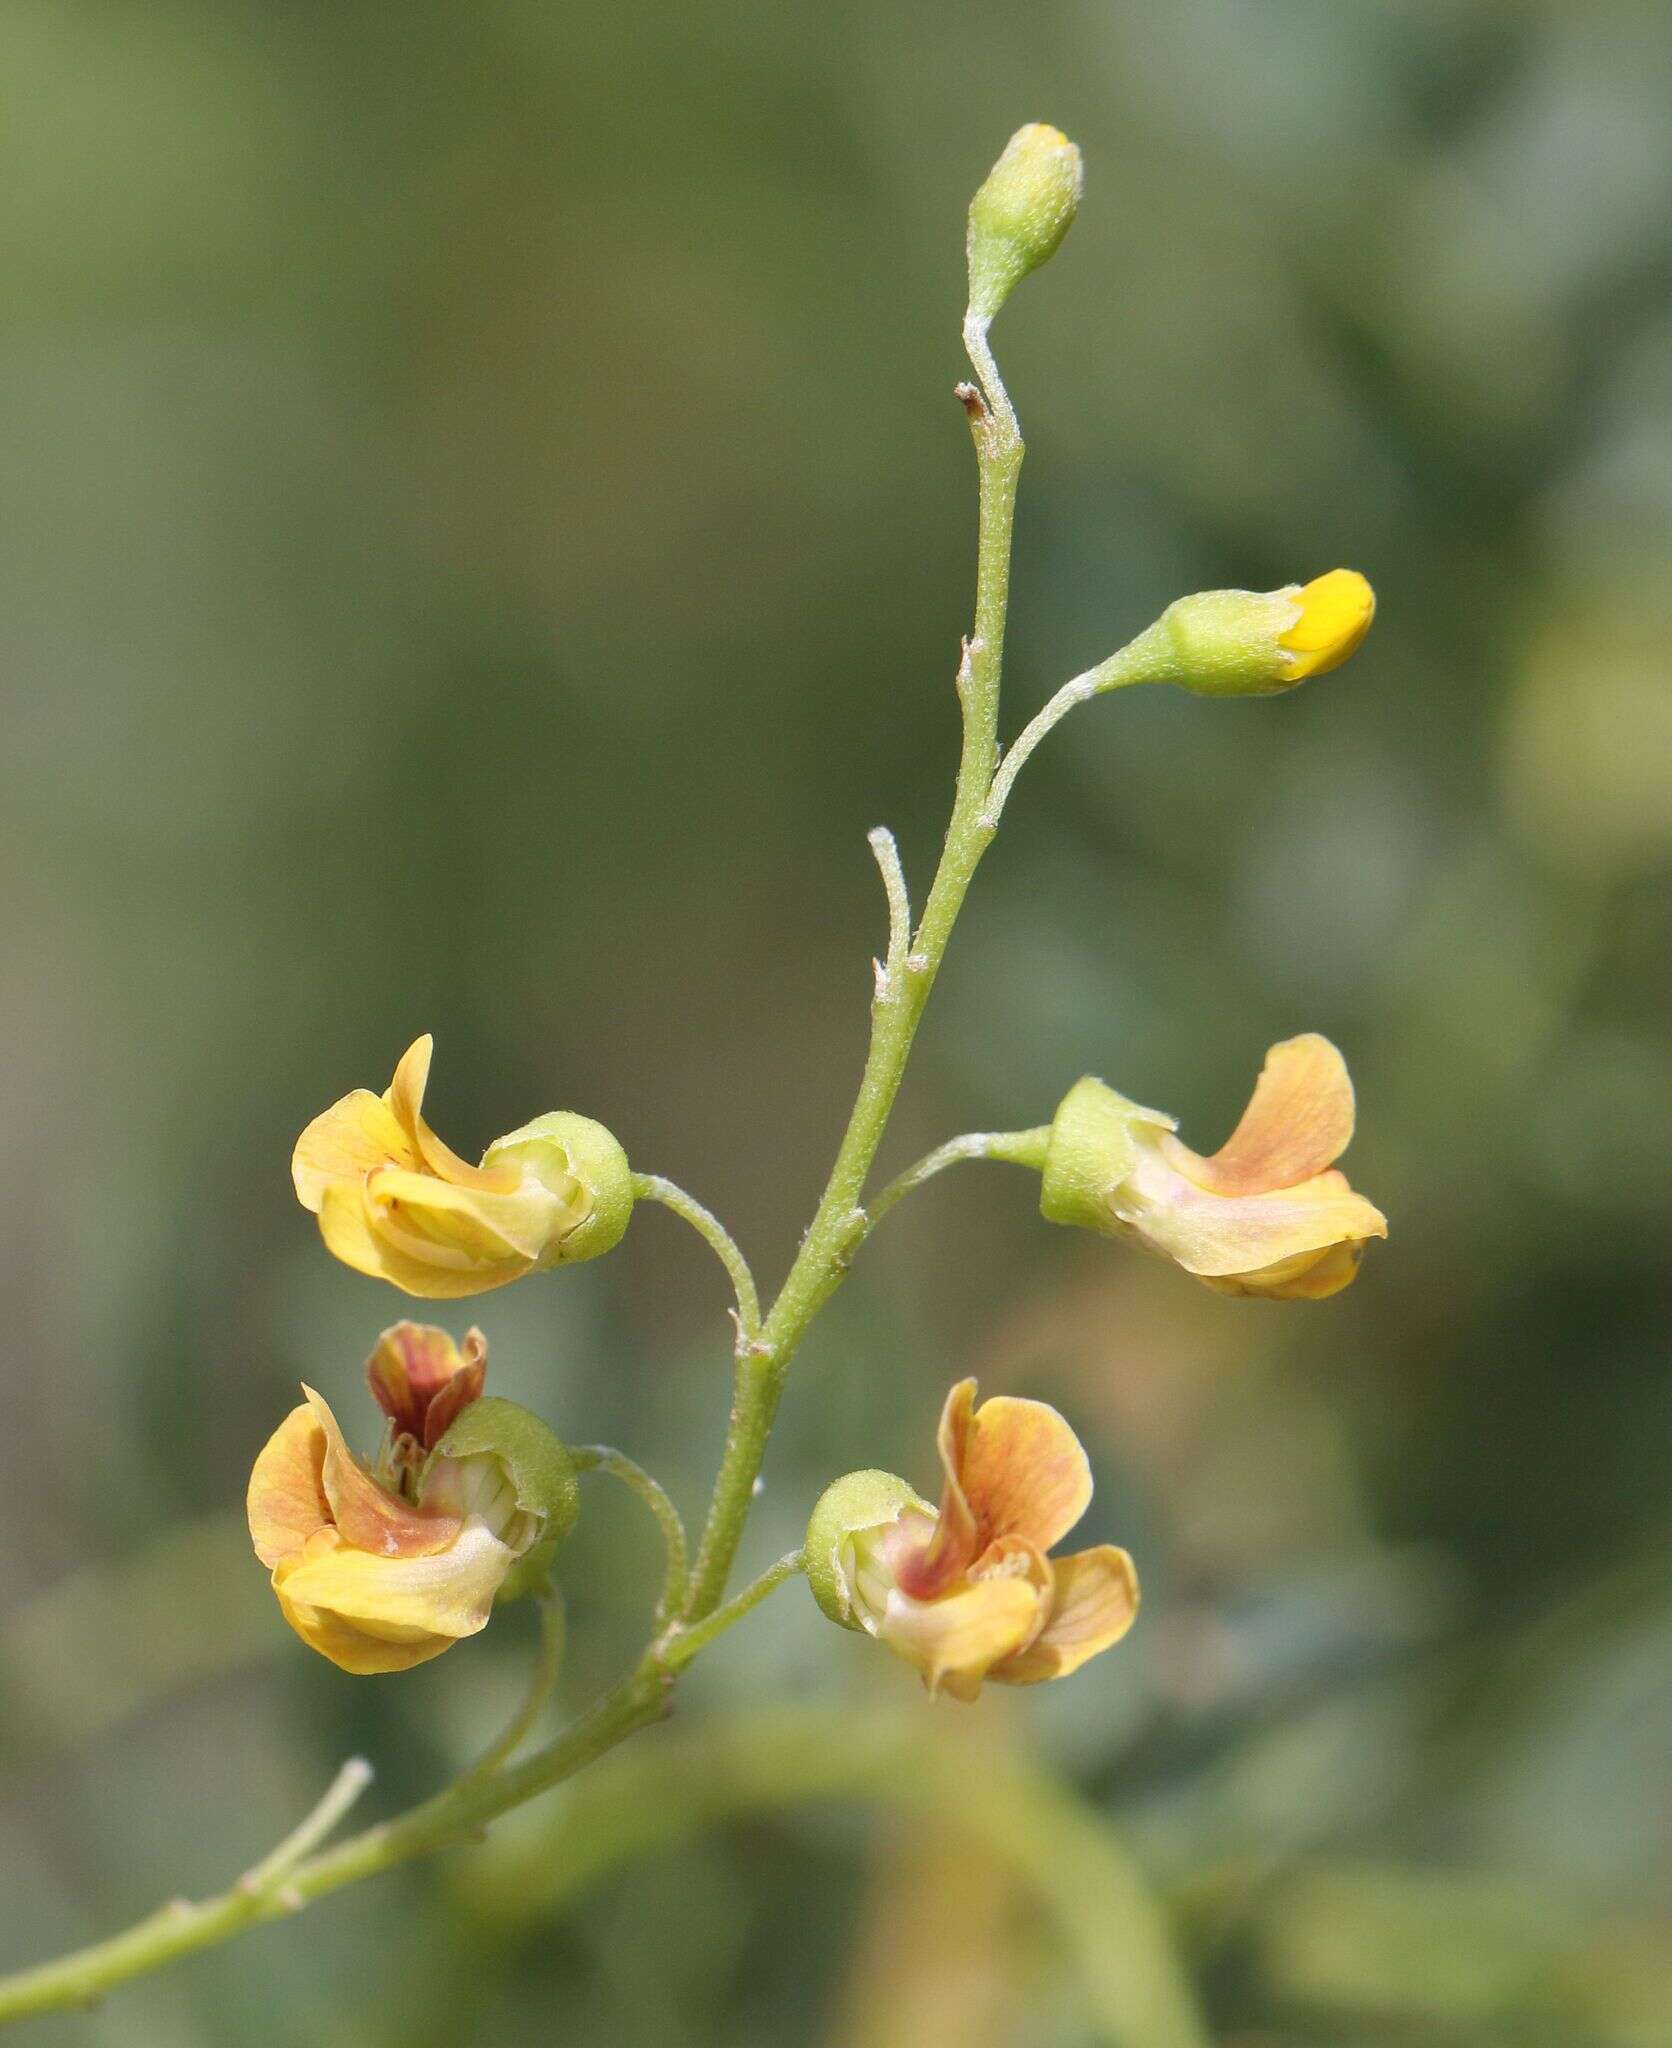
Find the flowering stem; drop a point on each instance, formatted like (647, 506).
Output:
(1018, 1148)
(764, 1351)
(678, 1650)
(651, 1187)
(547, 1663)
(601, 1458)
(840, 1223)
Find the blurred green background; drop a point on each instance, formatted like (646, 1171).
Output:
(486, 530)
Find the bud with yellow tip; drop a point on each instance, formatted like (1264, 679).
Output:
(1021, 213)
(1251, 643)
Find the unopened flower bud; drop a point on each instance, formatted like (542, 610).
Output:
(1252, 643)
(1021, 213)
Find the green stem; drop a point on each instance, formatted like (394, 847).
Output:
(182, 1926)
(340, 1795)
(1134, 663)
(1017, 1148)
(601, 1458)
(679, 1649)
(542, 1681)
(292, 1876)
(651, 1187)
(840, 1223)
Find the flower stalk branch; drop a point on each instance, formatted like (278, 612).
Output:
(840, 1221)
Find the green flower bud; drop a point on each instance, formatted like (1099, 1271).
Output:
(1021, 213)
(851, 1508)
(502, 1463)
(1252, 643)
(1092, 1149)
(579, 1161)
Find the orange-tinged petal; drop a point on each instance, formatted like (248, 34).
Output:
(405, 1097)
(1298, 1122)
(1025, 1473)
(1335, 614)
(1215, 1236)
(421, 1379)
(286, 1500)
(1095, 1602)
(449, 1593)
(409, 1367)
(464, 1387)
(345, 1143)
(955, 1641)
(957, 1541)
(368, 1516)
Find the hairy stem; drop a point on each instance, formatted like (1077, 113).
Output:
(840, 1222)
(601, 1458)
(542, 1680)
(651, 1187)
(678, 1650)
(1016, 1148)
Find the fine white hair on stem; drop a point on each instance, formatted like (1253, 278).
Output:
(899, 901)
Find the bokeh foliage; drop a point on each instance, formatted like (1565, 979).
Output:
(486, 530)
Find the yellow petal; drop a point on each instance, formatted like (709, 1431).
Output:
(1298, 1122)
(345, 1143)
(1215, 1236)
(1025, 1473)
(286, 1501)
(1335, 614)
(1312, 1276)
(351, 1648)
(403, 1599)
(405, 1098)
(368, 1516)
(357, 1232)
(1095, 1602)
(434, 1219)
(955, 1641)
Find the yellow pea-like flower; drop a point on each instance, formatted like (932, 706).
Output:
(396, 1202)
(969, 1593)
(1267, 1214)
(379, 1571)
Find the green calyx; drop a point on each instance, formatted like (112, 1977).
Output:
(581, 1161)
(1223, 643)
(1093, 1147)
(1021, 213)
(848, 1508)
(536, 1466)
